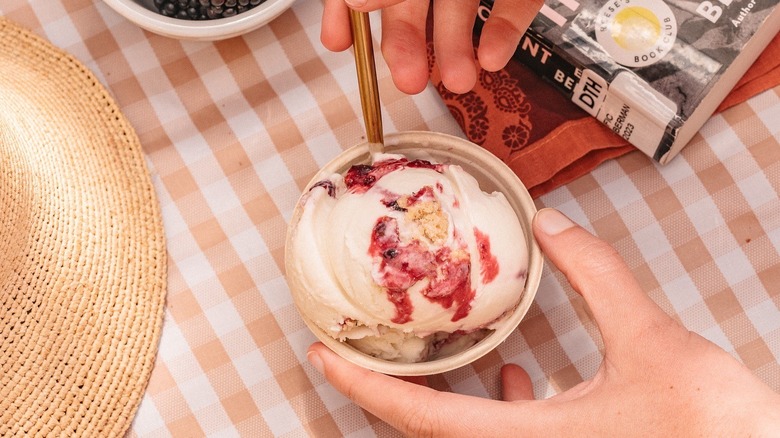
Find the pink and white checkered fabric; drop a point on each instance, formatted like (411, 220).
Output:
(233, 131)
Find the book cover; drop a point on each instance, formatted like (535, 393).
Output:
(653, 71)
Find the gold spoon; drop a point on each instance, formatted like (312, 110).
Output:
(366, 73)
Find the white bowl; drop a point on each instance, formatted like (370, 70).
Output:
(492, 175)
(144, 14)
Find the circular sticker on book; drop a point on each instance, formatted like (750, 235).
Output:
(636, 33)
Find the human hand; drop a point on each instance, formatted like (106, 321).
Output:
(404, 42)
(657, 378)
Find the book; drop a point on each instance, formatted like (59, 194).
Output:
(653, 71)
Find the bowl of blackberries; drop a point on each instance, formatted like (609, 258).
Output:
(200, 20)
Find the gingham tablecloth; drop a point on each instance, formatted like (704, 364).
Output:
(233, 130)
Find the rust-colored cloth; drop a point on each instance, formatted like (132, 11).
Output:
(542, 136)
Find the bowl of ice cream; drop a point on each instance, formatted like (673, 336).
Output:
(200, 20)
(415, 261)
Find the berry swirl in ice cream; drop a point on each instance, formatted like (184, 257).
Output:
(406, 260)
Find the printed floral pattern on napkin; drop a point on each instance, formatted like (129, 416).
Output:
(543, 137)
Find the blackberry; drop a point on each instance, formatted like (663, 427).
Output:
(204, 9)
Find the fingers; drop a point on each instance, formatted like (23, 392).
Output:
(413, 409)
(453, 21)
(515, 384)
(501, 34)
(595, 270)
(404, 44)
(336, 31)
(404, 37)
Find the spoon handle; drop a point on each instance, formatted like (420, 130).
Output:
(366, 73)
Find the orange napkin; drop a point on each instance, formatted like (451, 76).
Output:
(547, 140)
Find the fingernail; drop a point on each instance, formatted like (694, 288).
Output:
(552, 221)
(355, 3)
(316, 361)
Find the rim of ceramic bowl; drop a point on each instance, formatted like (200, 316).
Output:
(468, 154)
(200, 30)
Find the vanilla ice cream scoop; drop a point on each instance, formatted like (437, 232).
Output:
(406, 259)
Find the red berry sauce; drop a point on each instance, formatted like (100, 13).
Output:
(452, 284)
(327, 185)
(362, 177)
(402, 264)
(487, 259)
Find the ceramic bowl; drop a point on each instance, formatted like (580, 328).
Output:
(492, 175)
(144, 14)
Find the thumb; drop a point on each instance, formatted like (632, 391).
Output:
(596, 271)
(413, 409)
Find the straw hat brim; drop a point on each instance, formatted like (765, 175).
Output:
(82, 249)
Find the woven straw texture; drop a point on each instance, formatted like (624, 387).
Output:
(83, 261)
